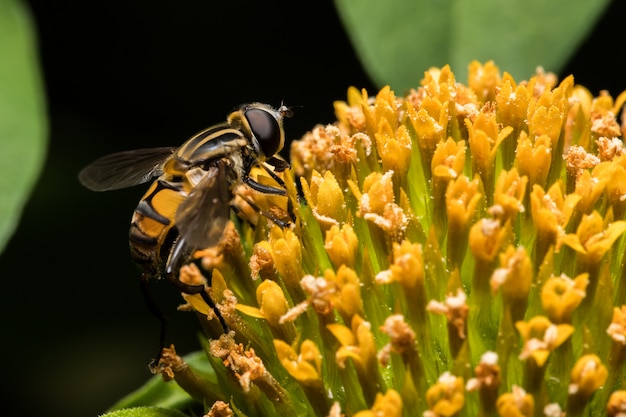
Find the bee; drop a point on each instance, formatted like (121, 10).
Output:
(188, 205)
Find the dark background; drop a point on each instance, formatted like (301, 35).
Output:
(123, 75)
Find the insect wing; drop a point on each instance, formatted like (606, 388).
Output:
(202, 217)
(124, 169)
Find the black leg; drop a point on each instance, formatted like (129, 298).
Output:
(156, 312)
(279, 222)
(270, 190)
(280, 182)
(179, 253)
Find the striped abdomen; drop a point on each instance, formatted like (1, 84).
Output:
(152, 230)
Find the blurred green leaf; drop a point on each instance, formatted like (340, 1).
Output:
(397, 40)
(145, 412)
(158, 393)
(23, 125)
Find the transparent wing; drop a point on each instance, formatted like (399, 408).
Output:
(124, 169)
(202, 217)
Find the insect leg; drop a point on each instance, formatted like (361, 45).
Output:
(267, 189)
(175, 261)
(280, 168)
(264, 188)
(278, 164)
(156, 312)
(281, 223)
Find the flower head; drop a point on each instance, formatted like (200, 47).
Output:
(516, 403)
(561, 295)
(593, 238)
(306, 366)
(446, 397)
(325, 198)
(541, 337)
(588, 375)
(462, 232)
(377, 204)
(617, 328)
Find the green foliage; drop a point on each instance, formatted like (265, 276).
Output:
(145, 412)
(397, 40)
(23, 123)
(158, 393)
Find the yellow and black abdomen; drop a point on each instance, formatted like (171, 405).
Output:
(152, 230)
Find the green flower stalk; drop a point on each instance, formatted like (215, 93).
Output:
(458, 251)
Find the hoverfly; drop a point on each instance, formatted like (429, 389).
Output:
(188, 206)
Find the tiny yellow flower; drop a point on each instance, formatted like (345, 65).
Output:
(516, 403)
(546, 114)
(439, 83)
(407, 268)
(447, 165)
(486, 238)
(616, 188)
(341, 244)
(551, 212)
(593, 238)
(578, 161)
(321, 293)
(325, 198)
(313, 151)
(553, 410)
(327, 148)
(454, 308)
(617, 328)
(191, 275)
(262, 261)
(515, 274)
(350, 114)
(609, 148)
(603, 121)
(587, 376)
(429, 121)
(441, 95)
(509, 195)
(616, 406)
(487, 374)
(541, 337)
(448, 160)
(357, 344)
(512, 101)
(272, 302)
(394, 148)
(220, 409)
(385, 109)
(401, 335)
(339, 291)
(348, 296)
(305, 366)
(462, 198)
(591, 185)
(388, 405)
(534, 158)
(244, 364)
(379, 191)
(483, 80)
(376, 204)
(446, 397)
(484, 140)
(582, 98)
(560, 295)
(287, 254)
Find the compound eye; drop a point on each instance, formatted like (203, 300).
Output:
(266, 129)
